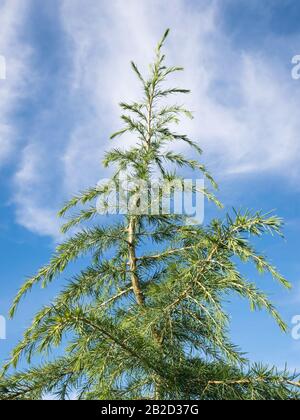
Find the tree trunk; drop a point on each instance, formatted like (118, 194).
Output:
(133, 263)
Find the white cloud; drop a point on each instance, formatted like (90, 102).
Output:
(19, 76)
(16, 56)
(245, 107)
(33, 211)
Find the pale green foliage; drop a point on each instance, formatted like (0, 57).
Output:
(176, 344)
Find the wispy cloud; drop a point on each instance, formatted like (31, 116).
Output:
(245, 103)
(16, 55)
(245, 106)
(33, 211)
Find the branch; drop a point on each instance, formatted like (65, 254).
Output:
(112, 299)
(250, 381)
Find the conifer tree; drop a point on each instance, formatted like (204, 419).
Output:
(146, 318)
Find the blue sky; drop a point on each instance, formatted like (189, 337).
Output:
(67, 69)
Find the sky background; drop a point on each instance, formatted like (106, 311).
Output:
(67, 70)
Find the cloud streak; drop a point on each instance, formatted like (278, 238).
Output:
(244, 102)
(16, 57)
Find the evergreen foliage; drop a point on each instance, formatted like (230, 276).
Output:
(149, 325)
